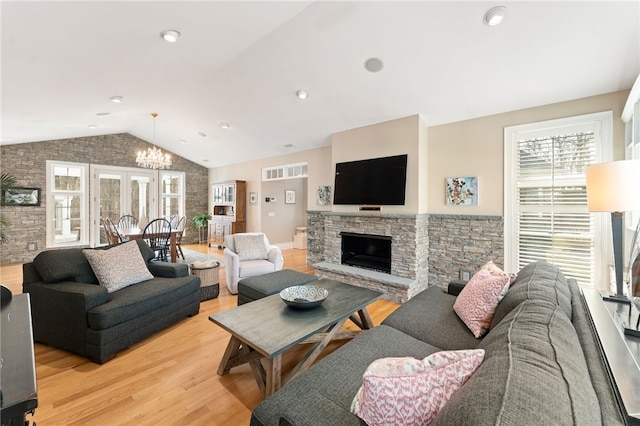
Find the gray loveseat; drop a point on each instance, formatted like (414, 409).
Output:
(541, 366)
(71, 311)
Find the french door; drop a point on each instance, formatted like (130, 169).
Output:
(119, 191)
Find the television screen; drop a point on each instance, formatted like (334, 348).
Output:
(376, 181)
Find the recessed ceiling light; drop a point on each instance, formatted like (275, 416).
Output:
(289, 145)
(202, 134)
(116, 99)
(225, 125)
(373, 65)
(206, 160)
(170, 35)
(495, 16)
(103, 113)
(301, 94)
(182, 141)
(93, 126)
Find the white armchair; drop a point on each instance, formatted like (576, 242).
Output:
(249, 254)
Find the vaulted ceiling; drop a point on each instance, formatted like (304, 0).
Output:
(241, 63)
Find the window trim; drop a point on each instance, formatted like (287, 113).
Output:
(285, 171)
(604, 152)
(181, 195)
(50, 204)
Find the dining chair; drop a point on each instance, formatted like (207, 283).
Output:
(180, 227)
(173, 220)
(157, 235)
(127, 221)
(110, 231)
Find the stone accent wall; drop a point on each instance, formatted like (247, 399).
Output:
(463, 242)
(428, 248)
(27, 162)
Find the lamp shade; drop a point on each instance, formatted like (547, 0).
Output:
(613, 186)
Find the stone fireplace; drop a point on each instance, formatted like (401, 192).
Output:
(408, 234)
(426, 249)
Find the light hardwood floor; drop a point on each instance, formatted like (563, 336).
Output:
(167, 379)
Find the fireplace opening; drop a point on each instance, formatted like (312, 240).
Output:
(366, 251)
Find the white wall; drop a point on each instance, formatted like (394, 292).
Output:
(279, 218)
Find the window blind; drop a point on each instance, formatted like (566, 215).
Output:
(553, 223)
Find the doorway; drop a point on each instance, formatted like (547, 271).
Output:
(119, 191)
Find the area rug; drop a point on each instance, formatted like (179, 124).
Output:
(191, 256)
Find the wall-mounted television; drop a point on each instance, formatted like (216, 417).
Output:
(376, 181)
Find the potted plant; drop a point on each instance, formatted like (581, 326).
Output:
(201, 221)
(7, 183)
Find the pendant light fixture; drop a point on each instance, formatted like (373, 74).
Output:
(153, 158)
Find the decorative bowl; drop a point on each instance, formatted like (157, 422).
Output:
(304, 296)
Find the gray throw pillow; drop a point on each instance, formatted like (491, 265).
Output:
(119, 266)
(250, 246)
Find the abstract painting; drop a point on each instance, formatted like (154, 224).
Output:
(462, 191)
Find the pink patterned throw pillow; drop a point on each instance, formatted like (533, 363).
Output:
(477, 302)
(409, 391)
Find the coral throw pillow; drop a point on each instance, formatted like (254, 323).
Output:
(118, 266)
(477, 302)
(409, 391)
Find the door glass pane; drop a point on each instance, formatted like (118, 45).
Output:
(229, 195)
(140, 196)
(109, 201)
(110, 197)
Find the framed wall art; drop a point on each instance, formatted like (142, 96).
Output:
(323, 196)
(289, 196)
(462, 191)
(21, 197)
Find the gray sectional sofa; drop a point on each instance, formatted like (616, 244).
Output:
(71, 311)
(542, 365)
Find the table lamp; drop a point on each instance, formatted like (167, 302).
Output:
(614, 187)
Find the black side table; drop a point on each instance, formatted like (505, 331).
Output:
(18, 390)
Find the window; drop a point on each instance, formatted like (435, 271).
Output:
(67, 204)
(172, 193)
(288, 171)
(546, 216)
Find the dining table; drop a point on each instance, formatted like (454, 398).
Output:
(136, 233)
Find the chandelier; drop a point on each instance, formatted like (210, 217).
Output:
(153, 158)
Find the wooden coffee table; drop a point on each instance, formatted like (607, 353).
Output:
(264, 329)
